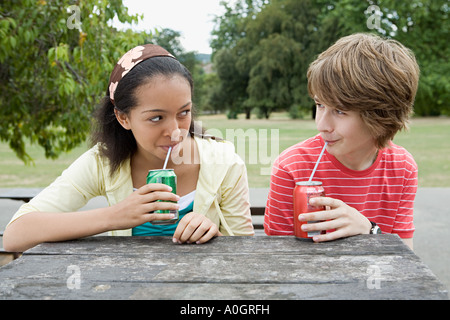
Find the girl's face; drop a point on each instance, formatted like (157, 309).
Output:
(348, 138)
(162, 116)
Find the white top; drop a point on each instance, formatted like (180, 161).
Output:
(185, 200)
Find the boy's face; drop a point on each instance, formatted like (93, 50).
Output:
(348, 137)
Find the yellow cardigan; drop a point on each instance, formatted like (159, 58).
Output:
(221, 195)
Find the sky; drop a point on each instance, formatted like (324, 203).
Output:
(192, 18)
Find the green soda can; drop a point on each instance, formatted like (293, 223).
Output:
(168, 177)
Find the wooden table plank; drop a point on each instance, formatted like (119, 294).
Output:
(362, 267)
(360, 245)
(345, 277)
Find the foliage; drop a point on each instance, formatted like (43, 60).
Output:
(227, 52)
(422, 26)
(267, 47)
(55, 61)
(169, 39)
(56, 57)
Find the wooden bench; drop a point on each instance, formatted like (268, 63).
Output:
(20, 194)
(258, 199)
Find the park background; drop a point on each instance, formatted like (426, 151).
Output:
(56, 58)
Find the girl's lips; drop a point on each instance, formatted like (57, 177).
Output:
(174, 146)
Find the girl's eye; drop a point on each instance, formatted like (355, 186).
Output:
(319, 105)
(184, 113)
(340, 112)
(155, 119)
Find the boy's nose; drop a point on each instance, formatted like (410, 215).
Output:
(323, 122)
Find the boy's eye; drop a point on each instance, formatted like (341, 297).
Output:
(337, 111)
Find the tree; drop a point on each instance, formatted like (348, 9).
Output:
(282, 42)
(229, 55)
(231, 26)
(422, 26)
(272, 43)
(170, 40)
(231, 88)
(269, 47)
(55, 61)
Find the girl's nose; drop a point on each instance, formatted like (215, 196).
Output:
(171, 128)
(175, 136)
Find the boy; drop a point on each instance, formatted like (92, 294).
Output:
(364, 88)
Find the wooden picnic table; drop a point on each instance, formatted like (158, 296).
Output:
(260, 267)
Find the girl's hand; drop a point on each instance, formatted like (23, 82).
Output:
(346, 221)
(137, 208)
(195, 227)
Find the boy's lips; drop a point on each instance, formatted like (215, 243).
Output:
(330, 142)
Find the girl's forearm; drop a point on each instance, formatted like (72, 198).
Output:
(33, 228)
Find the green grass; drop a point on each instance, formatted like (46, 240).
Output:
(427, 140)
(14, 173)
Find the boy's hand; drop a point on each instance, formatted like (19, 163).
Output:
(345, 220)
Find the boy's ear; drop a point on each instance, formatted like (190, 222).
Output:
(123, 119)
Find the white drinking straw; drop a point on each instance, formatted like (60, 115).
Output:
(317, 163)
(167, 158)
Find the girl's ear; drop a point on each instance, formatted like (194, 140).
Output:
(123, 119)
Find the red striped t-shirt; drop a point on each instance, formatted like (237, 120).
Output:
(384, 193)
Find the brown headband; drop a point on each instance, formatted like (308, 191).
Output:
(131, 59)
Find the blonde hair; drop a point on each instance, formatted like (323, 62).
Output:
(376, 77)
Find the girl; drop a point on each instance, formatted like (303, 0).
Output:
(147, 110)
